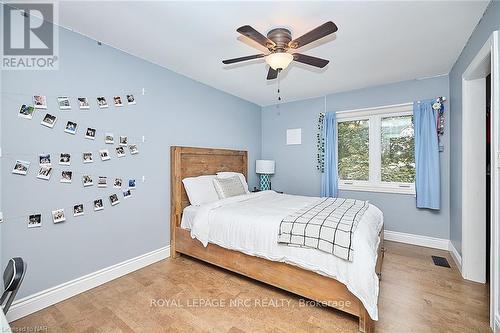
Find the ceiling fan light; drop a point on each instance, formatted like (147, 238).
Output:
(279, 60)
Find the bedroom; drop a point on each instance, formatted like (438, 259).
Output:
(104, 139)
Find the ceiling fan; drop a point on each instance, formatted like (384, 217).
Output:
(279, 42)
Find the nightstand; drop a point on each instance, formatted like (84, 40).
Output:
(257, 190)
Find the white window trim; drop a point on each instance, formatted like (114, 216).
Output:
(373, 115)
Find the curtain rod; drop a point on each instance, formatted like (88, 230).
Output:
(383, 106)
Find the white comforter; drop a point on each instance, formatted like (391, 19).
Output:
(249, 223)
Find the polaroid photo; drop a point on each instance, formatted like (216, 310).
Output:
(44, 172)
(120, 151)
(130, 99)
(90, 133)
(98, 205)
(101, 102)
(131, 184)
(123, 141)
(87, 157)
(35, 221)
(63, 103)
(109, 138)
(133, 149)
(113, 199)
(65, 159)
(40, 102)
(87, 180)
(118, 101)
(66, 176)
(78, 210)
(21, 167)
(58, 216)
(70, 127)
(127, 194)
(104, 153)
(102, 182)
(49, 120)
(118, 183)
(26, 111)
(83, 102)
(44, 159)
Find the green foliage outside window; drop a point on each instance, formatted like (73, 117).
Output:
(398, 150)
(353, 150)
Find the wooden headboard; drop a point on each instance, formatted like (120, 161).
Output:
(192, 162)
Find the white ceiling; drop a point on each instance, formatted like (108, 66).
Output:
(377, 42)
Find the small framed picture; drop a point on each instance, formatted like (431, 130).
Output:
(109, 138)
(35, 221)
(87, 157)
(70, 127)
(58, 216)
(44, 159)
(49, 120)
(120, 151)
(63, 103)
(66, 176)
(101, 102)
(21, 167)
(113, 199)
(87, 180)
(133, 149)
(98, 205)
(40, 102)
(90, 133)
(78, 210)
(130, 99)
(118, 101)
(127, 194)
(123, 141)
(83, 103)
(104, 153)
(131, 184)
(26, 111)
(118, 183)
(65, 159)
(102, 182)
(44, 172)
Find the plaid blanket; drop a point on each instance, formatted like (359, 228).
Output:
(327, 225)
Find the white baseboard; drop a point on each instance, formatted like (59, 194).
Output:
(456, 257)
(497, 324)
(401, 237)
(45, 298)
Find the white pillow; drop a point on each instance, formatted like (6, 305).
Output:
(228, 187)
(231, 174)
(200, 190)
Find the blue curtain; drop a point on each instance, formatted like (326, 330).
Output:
(329, 178)
(427, 182)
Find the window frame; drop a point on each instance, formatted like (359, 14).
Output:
(374, 117)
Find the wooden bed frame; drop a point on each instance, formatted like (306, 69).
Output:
(190, 162)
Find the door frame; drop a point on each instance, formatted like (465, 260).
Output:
(473, 169)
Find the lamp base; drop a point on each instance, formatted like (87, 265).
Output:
(265, 182)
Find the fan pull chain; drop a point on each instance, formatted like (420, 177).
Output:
(279, 95)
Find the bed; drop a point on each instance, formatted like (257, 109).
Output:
(297, 270)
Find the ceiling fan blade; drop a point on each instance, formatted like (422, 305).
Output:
(272, 74)
(234, 60)
(253, 34)
(315, 34)
(313, 61)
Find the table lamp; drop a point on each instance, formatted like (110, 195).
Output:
(264, 168)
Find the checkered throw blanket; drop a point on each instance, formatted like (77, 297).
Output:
(327, 225)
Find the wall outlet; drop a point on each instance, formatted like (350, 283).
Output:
(143, 179)
(143, 139)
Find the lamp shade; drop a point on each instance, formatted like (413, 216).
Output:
(279, 60)
(264, 167)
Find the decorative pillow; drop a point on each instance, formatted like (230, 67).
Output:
(228, 187)
(200, 190)
(231, 174)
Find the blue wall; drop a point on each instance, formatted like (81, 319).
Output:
(174, 111)
(489, 23)
(296, 165)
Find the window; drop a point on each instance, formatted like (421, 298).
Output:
(376, 150)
